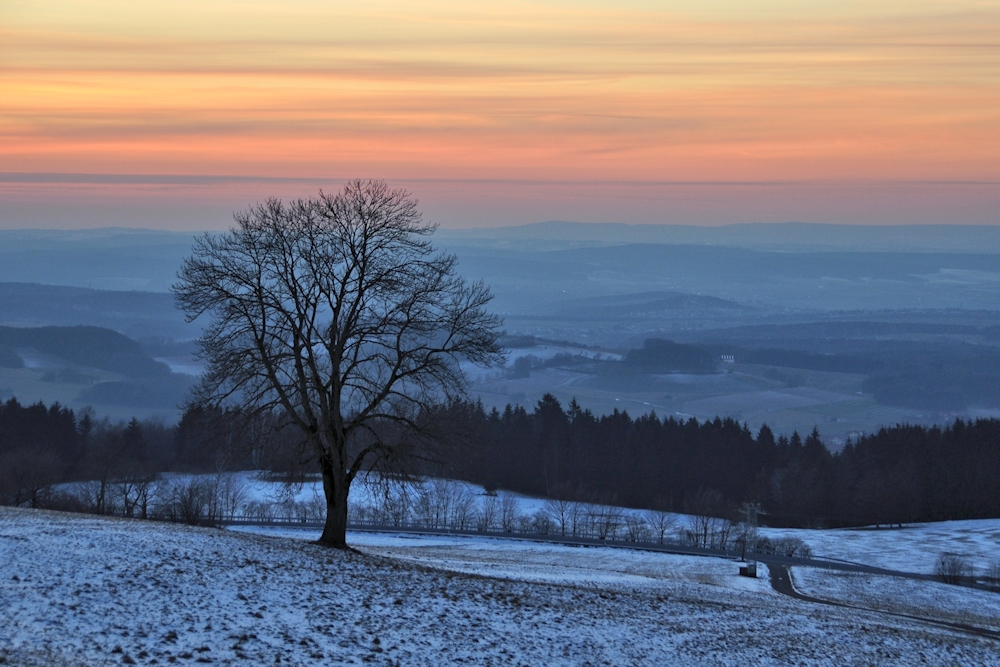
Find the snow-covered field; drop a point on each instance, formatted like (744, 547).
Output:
(86, 590)
(538, 562)
(913, 548)
(903, 596)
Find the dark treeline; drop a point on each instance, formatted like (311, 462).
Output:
(44, 446)
(900, 474)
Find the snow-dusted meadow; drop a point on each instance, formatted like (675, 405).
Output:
(930, 599)
(78, 589)
(440, 503)
(912, 548)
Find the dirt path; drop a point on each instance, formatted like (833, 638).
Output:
(781, 582)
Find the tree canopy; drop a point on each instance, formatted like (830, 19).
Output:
(339, 313)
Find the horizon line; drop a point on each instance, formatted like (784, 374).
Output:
(217, 179)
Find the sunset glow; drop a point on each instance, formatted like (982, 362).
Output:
(708, 112)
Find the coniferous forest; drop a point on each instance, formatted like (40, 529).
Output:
(903, 473)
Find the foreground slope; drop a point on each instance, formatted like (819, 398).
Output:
(87, 590)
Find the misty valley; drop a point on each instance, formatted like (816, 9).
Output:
(788, 330)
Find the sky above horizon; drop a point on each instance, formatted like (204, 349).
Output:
(172, 115)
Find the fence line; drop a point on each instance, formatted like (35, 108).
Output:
(666, 546)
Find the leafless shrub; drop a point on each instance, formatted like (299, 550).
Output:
(232, 492)
(992, 575)
(541, 523)
(393, 503)
(636, 529)
(578, 519)
(953, 568)
(435, 503)
(791, 547)
(605, 520)
(194, 501)
(709, 532)
(258, 511)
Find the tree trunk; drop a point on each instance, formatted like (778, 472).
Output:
(335, 489)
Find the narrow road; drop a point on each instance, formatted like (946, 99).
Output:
(781, 581)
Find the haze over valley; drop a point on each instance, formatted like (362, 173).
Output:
(847, 328)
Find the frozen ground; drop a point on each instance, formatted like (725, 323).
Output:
(913, 548)
(544, 563)
(903, 596)
(87, 590)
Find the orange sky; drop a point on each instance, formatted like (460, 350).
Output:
(171, 114)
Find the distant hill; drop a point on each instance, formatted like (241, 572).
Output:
(114, 259)
(136, 314)
(664, 356)
(786, 236)
(641, 304)
(71, 365)
(86, 346)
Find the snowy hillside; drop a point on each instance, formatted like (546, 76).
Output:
(86, 590)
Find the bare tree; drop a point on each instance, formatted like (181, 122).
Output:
(541, 522)
(436, 503)
(636, 529)
(510, 512)
(577, 519)
(339, 314)
(488, 512)
(393, 504)
(134, 488)
(605, 518)
(464, 508)
(660, 523)
(559, 511)
(232, 494)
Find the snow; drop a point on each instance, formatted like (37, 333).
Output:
(913, 548)
(77, 589)
(903, 596)
(256, 488)
(526, 560)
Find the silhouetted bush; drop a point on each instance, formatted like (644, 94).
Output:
(953, 569)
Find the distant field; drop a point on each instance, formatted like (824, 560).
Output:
(48, 381)
(786, 399)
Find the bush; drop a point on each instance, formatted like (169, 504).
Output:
(992, 575)
(792, 547)
(953, 569)
(195, 502)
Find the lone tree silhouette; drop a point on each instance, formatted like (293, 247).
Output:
(338, 314)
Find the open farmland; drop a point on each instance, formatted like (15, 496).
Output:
(87, 590)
